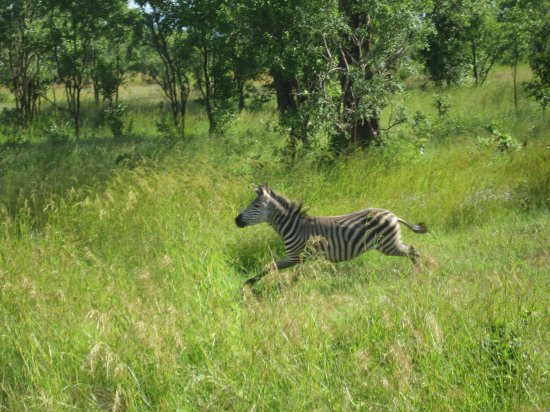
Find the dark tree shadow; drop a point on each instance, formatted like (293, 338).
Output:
(32, 175)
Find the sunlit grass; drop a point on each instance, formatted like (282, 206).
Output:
(472, 109)
(121, 273)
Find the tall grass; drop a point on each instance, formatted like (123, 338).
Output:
(121, 276)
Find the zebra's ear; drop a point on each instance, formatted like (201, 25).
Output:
(267, 190)
(263, 189)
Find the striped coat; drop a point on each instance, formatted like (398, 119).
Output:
(337, 237)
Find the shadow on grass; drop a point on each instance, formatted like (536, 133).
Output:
(251, 255)
(317, 274)
(34, 177)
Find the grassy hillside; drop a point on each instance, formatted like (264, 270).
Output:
(121, 270)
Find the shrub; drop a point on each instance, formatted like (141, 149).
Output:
(114, 117)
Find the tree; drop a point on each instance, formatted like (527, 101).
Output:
(526, 33)
(539, 59)
(483, 34)
(287, 38)
(373, 45)
(243, 57)
(170, 68)
(116, 53)
(76, 30)
(446, 54)
(209, 27)
(22, 61)
(335, 63)
(514, 21)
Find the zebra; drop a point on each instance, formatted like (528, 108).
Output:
(338, 238)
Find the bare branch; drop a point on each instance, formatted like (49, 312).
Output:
(63, 109)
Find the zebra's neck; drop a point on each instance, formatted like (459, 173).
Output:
(286, 217)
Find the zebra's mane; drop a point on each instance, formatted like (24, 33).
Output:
(286, 205)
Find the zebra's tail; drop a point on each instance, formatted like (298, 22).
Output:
(419, 228)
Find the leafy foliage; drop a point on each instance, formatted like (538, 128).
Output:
(441, 103)
(447, 55)
(24, 67)
(333, 66)
(539, 88)
(169, 62)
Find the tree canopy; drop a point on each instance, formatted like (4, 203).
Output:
(332, 65)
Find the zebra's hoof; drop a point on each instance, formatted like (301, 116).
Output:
(250, 282)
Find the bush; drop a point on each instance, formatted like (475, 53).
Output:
(505, 141)
(441, 103)
(58, 133)
(113, 116)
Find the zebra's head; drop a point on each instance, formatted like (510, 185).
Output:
(257, 211)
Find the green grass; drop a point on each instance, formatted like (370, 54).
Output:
(121, 273)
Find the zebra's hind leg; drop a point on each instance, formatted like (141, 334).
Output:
(254, 279)
(400, 250)
(413, 254)
(282, 264)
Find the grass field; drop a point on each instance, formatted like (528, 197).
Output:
(121, 268)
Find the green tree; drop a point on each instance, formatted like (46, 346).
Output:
(170, 65)
(514, 21)
(23, 65)
(373, 45)
(287, 38)
(76, 30)
(244, 61)
(483, 34)
(209, 26)
(335, 63)
(539, 55)
(446, 55)
(116, 53)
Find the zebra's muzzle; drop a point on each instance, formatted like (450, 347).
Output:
(239, 221)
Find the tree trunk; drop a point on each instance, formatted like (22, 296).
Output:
(205, 85)
(360, 131)
(475, 63)
(24, 82)
(514, 75)
(209, 106)
(183, 107)
(95, 83)
(365, 132)
(286, 104)
(288, 108)
(240, 91)
(77, 112)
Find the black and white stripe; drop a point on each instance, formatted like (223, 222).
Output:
(338, 237)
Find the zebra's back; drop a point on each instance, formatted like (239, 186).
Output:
(345, 237)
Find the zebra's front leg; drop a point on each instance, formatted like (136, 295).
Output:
(282, 264)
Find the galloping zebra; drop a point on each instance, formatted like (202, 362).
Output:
(338, 237)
